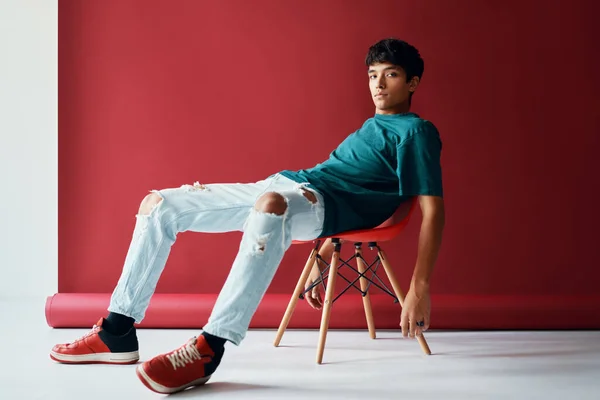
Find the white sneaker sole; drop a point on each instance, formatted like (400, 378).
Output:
(97, 358)
(158, 388)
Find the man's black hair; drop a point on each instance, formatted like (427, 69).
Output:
(399, 53)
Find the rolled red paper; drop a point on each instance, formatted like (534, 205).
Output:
(190, 311)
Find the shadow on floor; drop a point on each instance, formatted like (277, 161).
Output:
(220, 387)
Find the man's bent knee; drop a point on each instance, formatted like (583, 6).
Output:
(149, 202)
(272, 203)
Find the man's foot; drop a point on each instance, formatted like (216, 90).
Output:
(99, 347)
(190, 365)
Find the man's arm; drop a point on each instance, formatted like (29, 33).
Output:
(417, 302)
(430, 238)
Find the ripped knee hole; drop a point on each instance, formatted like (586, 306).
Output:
(149, 203)
(272, 203)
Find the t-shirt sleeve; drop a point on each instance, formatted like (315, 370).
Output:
(419, 163)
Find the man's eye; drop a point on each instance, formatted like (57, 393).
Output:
(392, 74)
(372, 77)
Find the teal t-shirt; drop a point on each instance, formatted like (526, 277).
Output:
(389, 160)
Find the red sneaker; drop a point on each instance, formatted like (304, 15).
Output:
(99, 347)
(190, 365)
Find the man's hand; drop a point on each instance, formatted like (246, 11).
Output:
(416, 308)
(313, 297)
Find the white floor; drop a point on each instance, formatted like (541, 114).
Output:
(465, 365)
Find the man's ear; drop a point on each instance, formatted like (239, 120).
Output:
(413, 84)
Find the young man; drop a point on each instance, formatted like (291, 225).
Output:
(392, 158)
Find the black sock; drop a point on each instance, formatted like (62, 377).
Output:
(117, 324)
(216, 343)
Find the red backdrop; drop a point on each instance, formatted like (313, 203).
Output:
(157, 94)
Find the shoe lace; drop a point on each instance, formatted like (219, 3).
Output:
(94, 330)
(186, 354)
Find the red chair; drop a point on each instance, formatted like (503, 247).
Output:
(383, 233)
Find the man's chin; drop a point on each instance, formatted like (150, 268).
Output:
(383, 108)
(381, 105)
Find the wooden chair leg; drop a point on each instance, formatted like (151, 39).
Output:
(329, 295)
(366, 299)
(294, 300)
(392, 278)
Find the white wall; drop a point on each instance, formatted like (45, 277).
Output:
(28, 147)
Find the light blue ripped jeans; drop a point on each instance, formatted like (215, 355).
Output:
(217, 208)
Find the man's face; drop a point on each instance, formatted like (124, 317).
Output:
(389, 88)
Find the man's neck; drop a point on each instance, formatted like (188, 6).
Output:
(401, 109)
